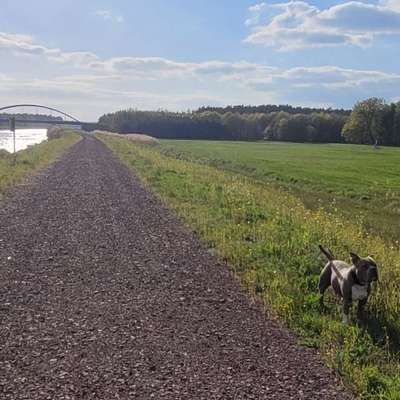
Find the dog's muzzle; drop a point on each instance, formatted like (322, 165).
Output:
(373, 274)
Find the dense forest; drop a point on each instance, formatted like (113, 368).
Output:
(277, 125)
(371, 122)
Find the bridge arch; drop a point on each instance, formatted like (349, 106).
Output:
(40, 106)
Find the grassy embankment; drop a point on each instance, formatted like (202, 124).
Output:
(351, 179)
(32, 159)
(270, 239)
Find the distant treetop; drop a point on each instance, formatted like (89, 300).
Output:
(22, 116)
(268, 108)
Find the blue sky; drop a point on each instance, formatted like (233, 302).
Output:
(98, 56)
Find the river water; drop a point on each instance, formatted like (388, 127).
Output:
(24, 138)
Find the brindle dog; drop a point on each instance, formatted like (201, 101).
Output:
(350, 282)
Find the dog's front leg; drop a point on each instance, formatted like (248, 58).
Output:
(360, 311)
(346, 311)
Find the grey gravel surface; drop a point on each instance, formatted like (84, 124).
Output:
(105, 295)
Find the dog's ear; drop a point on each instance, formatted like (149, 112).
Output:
(371, 260)
(354, 258)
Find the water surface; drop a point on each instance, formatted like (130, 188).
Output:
(24, 138)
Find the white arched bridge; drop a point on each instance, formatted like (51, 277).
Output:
(34, 119)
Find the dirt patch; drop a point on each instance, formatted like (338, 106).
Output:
(134, 137)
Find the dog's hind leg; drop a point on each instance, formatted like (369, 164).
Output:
(324, 283)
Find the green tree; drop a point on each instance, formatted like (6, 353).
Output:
(365, 124)
(234, 124)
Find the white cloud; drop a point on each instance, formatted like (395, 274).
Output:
(109, 16)
(22, 44)
(256, 12)
(330, 77)
(153, 68)
(391, 4)
(74, 94)
(88, 85)
(226, 68)
(78, 58)
(297, 24)
(133, 67)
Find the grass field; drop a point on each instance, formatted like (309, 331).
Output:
(270, 240)
(32, 159)
(350, 178)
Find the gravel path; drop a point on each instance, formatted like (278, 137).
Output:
(104, 295)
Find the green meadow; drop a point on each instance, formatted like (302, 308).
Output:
(28, 161)
(229, 194)
(350, 179)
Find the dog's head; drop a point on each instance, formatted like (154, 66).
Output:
(366, 268)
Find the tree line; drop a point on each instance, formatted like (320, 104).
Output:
(30, 117)
(268, 108)
(371, 121)
(276, 125)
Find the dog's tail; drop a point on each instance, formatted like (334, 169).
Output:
(328, 254)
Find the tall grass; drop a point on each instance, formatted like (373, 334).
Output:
(270, 240)
(32, 159)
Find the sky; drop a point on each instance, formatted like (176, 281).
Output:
(98, 56)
